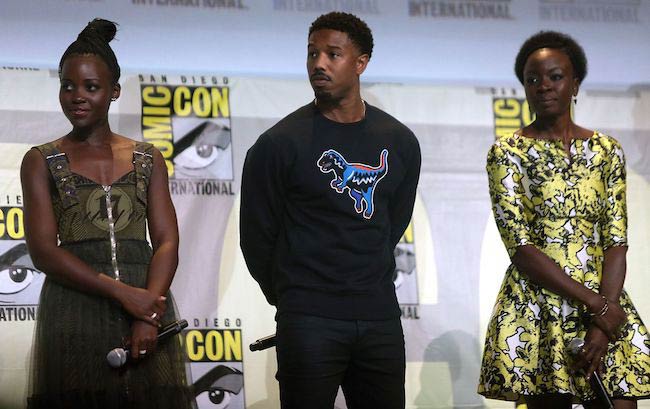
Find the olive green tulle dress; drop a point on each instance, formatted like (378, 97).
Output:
(105, 226)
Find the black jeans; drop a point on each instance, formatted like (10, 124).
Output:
(316, 355)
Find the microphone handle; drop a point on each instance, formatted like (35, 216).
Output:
(167, 331)
(171, 329)
(263, 343)
(601, 393)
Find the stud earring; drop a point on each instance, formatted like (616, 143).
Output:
(113, 99)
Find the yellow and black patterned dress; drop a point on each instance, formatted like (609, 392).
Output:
(571, 208)
(105, 226)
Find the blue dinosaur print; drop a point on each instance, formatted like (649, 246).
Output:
(360, 180)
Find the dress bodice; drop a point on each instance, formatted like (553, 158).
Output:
(87, 210)
(542, 195)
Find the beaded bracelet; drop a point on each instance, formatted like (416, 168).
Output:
(603, 309)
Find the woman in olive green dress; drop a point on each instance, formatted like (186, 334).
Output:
(88, 197)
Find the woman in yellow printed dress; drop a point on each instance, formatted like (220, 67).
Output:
(558, 196)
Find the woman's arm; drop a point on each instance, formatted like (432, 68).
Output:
(605, 327)
(57, 263)
(543, 271)
(614, 224)
(163, 230)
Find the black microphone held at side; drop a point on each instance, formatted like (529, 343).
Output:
(574, 348)
(263, 343)
(117, 357)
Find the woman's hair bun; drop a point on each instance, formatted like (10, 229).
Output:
(94, 39)
(101, 28)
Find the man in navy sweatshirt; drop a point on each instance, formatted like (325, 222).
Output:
(326, 195)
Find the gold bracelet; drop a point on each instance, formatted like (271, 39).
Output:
(603, 310)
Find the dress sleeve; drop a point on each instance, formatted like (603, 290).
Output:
(507, 194)
(614, 222)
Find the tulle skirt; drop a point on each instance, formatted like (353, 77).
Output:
(75, 331)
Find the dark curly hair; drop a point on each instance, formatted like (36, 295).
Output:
(347, 23)
(94, 40)
(555, 40)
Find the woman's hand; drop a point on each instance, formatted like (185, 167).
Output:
(144, 338)
(610, 322)
(590, 359)
(142, 304)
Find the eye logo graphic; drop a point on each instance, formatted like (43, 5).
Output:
(360, 180)
(221, 383)
(20, 282)
(204, 151)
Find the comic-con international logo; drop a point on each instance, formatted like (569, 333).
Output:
(216, 357)
(461, 9)
(20, 282)
(405, 275)
(510, 112)
(190, 125)
(206, 4)
(354, 7)
(590, 11)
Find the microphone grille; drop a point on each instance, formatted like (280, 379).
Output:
(116, 357)
(575, 346)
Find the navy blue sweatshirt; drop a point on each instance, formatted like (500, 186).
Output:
(323, 205)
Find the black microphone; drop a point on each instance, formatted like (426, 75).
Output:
(263, 343)
(117, 357)
(574, 348)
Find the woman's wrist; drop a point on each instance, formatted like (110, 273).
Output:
(604, 307)
(113, 288)
(594, 302)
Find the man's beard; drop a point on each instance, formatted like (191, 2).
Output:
(325, 97)
(322, 95)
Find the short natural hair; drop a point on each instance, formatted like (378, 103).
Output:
(555, 40)
(94, 39)
(356, 29)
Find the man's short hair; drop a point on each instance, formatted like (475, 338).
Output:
(356, 29)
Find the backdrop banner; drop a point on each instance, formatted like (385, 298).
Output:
(450, 261)
(434, 41)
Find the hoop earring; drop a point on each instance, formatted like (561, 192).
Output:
(113, 99)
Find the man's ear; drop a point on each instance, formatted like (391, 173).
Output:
(362, 63)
